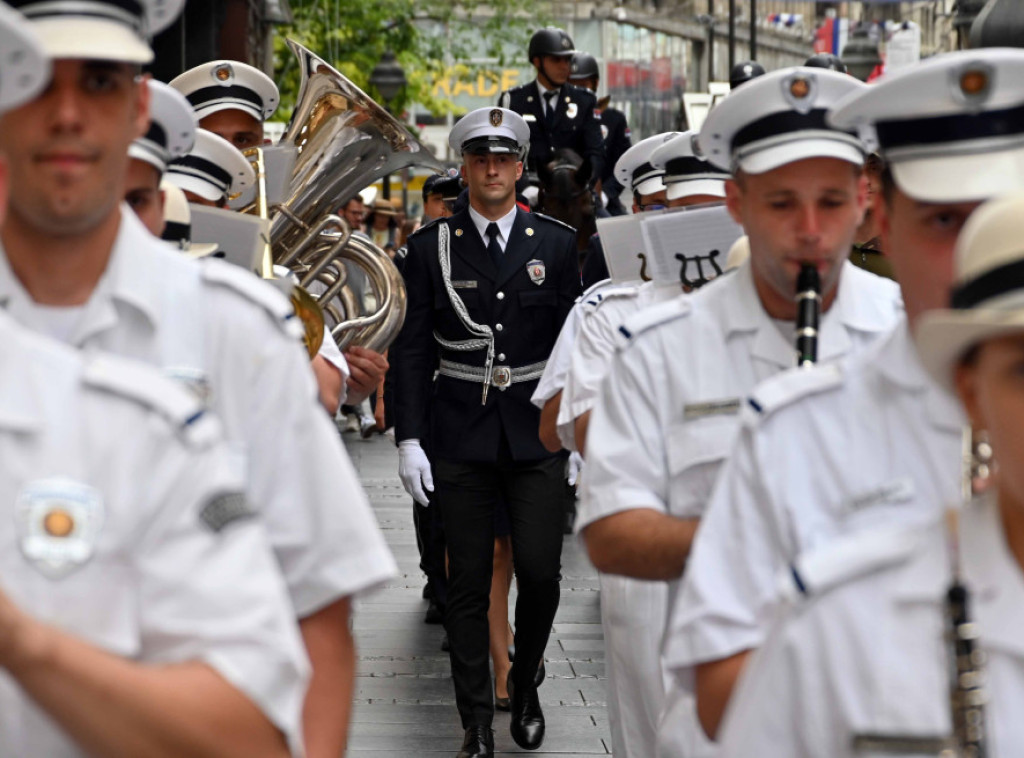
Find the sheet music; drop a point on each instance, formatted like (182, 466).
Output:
(698, 238)
(622, 242)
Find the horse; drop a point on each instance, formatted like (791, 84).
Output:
(565, 194)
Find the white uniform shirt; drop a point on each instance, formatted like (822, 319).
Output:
(596, 340)
(220, 329)
(668, 411)
(553, 379)
(132, 458)
(832, 451)
(869, 655)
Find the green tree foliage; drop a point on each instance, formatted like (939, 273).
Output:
(428, 37)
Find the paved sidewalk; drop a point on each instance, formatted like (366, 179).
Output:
(405, 701)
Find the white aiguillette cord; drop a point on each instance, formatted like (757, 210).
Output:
(485, 337)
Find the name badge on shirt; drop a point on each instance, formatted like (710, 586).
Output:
(529, 118)
(899, 491)
(715, 408)
(464, 284)
(58, 522)
(194, 379)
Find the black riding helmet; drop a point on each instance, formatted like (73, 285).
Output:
(827, 60)
(743, 72)
(550, 41)
(584, 66)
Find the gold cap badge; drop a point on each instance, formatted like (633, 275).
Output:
(799, 88)
(973, 82)
(223, 73)
(496, 116)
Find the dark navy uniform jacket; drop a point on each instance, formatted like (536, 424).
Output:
(617, 140)
(576, 126)
(447, 412)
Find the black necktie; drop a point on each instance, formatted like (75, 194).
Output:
(551, 96)
(494, 247)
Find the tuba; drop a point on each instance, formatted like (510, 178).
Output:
(344, 142)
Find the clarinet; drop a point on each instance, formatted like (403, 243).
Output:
(966, 660)
(808, 315)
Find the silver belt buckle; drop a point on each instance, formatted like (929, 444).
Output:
(501, 377)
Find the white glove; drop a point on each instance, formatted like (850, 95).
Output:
(573, 467)
(414, 471)
(532, 194)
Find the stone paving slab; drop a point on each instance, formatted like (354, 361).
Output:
(404, 699)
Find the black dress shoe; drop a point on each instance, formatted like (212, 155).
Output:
(527, 722)
(478, 743)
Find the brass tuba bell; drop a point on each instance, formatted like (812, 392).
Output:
(345, 142)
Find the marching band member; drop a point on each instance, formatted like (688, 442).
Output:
(632, 611)
(172, 132)
(230, 99)
(947, 131)
(668, 409)
(141, 605)
(909, 637)
(211, 171)
(78, 267)
(689, 180)
(488, 290)
(233, 100)
(634, 171)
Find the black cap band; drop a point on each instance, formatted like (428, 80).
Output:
(202, 168)
(999, 281)
(683, 168)
(784, 122)
(960, 127)
(176, 231)
(234, 93)
(491, 144)
(128, 12)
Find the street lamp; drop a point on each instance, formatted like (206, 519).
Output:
(388, 78)
(860, 54)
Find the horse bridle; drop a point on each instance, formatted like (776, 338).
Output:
(560, 196)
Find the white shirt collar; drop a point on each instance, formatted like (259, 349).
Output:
(504, 225)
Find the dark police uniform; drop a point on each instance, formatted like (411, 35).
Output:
(616, 133)
(576, 125)
(483, 437)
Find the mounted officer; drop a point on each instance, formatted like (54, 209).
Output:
(559, 114)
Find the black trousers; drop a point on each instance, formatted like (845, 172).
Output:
(466, 495)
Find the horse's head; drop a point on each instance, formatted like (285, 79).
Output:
(565, 193)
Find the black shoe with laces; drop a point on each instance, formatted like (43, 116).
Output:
(478, 743)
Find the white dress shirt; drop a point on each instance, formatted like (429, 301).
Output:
(235, 340)
(157, 568)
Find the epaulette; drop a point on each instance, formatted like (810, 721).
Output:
(783, 389)
(256, 291)
(845, 559)
(618, 291)
(149, 388)
(429, 225)
(648, 318)
(553, 220)
(593, 287)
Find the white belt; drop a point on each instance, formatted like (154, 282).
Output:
(500, 376)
